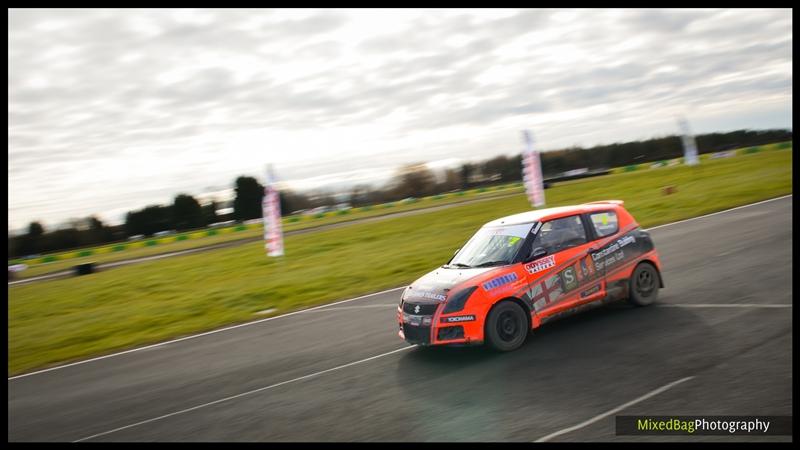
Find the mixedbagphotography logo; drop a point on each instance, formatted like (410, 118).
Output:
(704, 425)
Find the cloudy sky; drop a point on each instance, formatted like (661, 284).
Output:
(113, 110)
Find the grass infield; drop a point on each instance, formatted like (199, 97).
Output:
(58, 262)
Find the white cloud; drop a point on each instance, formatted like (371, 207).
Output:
(114, 110)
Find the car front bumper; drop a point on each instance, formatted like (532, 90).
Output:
(437, 329)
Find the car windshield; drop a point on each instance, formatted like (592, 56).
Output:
(492, 246)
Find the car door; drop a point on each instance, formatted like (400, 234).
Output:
(565, 274)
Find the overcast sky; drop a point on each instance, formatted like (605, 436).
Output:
(112, 110)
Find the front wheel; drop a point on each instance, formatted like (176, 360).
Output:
(506, 327)
(644, 285)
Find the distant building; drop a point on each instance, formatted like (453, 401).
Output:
(223, 197)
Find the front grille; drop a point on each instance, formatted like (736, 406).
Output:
(425, 309)
(417, 335)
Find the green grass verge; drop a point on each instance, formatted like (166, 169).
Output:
(61, 320)
(111, 253)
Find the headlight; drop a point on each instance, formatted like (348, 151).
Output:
(403, 297)
(458, 300)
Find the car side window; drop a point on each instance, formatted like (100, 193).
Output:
(605, 223)
(560, 234)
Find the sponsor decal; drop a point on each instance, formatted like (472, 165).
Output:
(613, 253)
(569, 278)
(592, 290)
(587, 268)
(541, 264)
(500, 281)
(625, 240)
(430, 295)
(457, 319)
(536, 227)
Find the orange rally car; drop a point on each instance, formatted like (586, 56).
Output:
(520, 271)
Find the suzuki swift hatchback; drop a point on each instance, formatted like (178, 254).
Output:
(520, 271)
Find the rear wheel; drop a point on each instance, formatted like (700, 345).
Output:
(644, 285)
(506, 327)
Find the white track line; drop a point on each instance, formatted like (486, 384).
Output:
(330, 304)
(41, 277)
(723, 305)
(340, 308)
(720, 212)
(203, 334)
(613, 411)
(304, 377)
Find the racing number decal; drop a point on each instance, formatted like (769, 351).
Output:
(569, 278)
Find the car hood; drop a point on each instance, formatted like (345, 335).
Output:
(435, 285)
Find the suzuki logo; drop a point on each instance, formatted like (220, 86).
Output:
(416, 309)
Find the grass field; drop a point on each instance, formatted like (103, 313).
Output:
(195, 239)
(57, 321)
(703, 157)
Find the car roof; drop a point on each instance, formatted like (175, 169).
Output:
(540, 215)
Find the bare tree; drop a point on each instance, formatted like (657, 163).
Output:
(414, 180)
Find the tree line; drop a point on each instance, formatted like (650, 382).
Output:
(413, 180)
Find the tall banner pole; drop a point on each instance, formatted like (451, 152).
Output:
(532, 172)
(271, 206)
(689, 145)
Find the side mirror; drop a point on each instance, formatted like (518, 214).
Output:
(537, 253)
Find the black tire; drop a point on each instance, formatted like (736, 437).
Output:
(506, 327)
(644, 285)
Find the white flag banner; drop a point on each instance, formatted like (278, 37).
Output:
(689, 146)
(271, 205)
(532, 172)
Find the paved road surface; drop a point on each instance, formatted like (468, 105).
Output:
(720, 336)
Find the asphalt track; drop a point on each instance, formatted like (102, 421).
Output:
(234, 243)
(718, 342)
